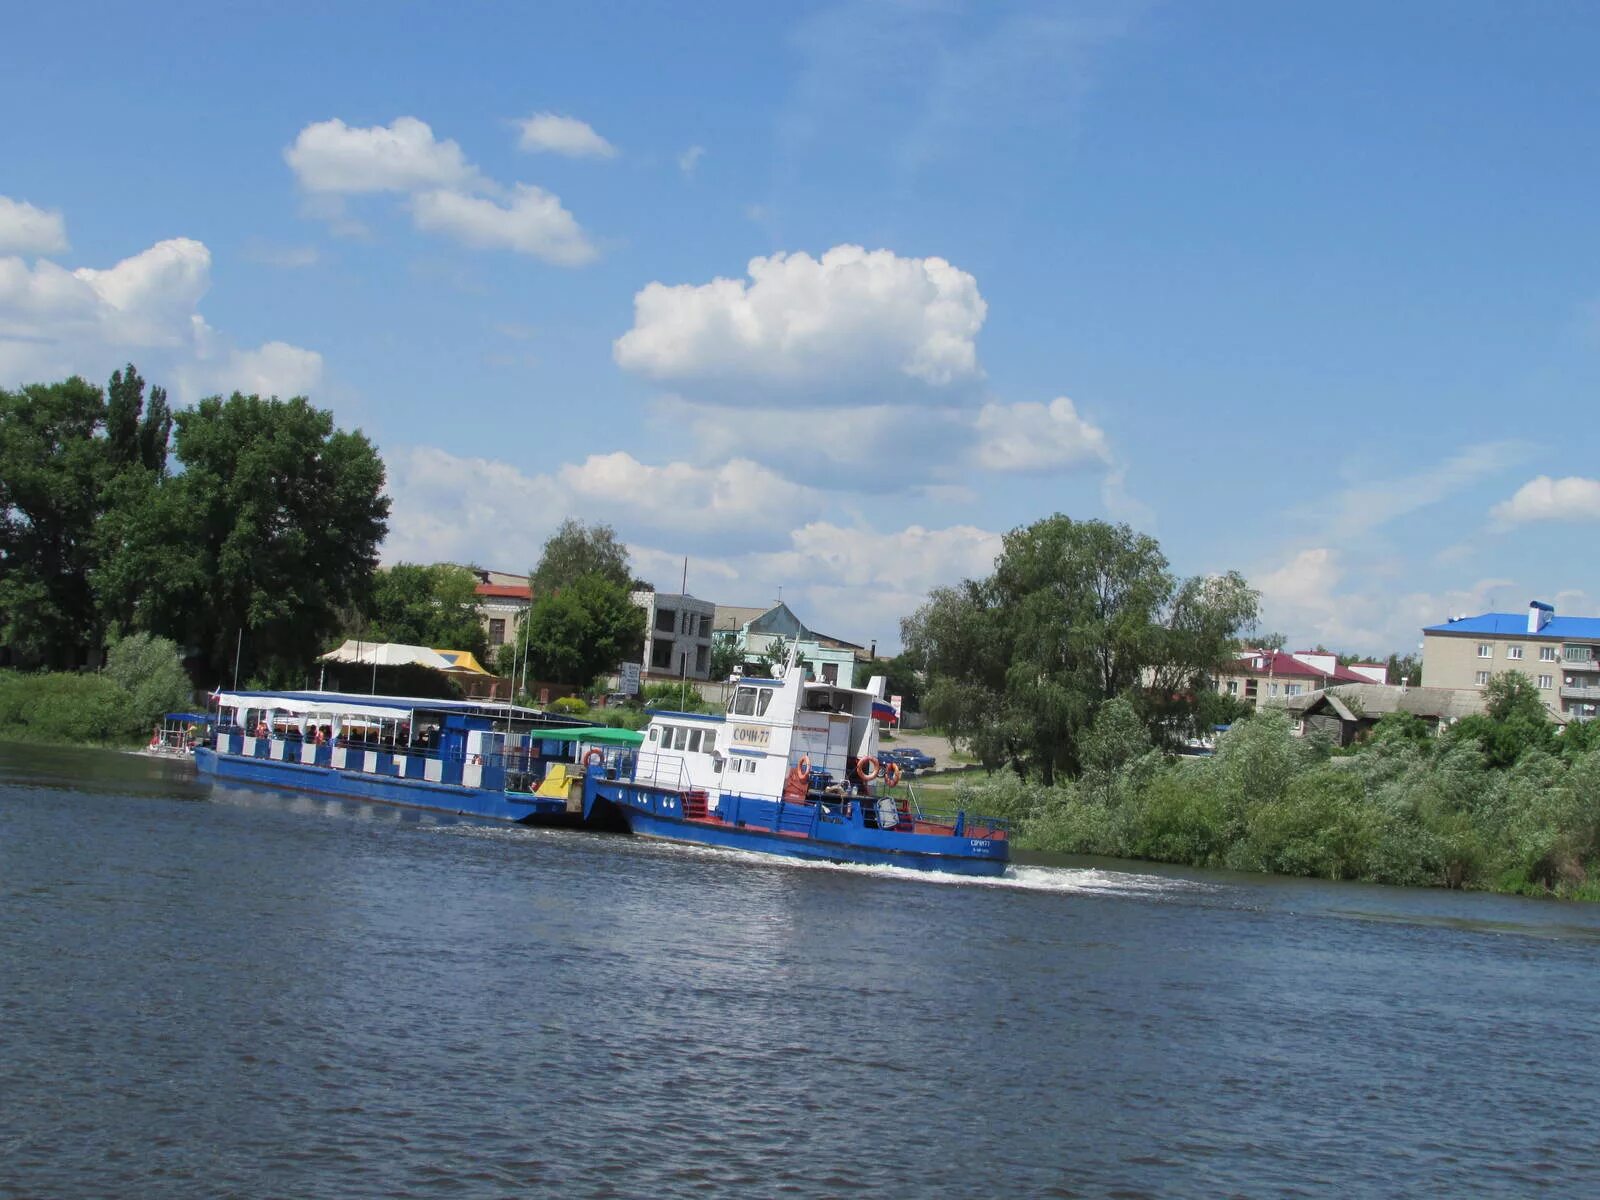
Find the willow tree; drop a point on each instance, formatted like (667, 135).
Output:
(1075, 613)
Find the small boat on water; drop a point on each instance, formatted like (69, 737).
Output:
(458, 756)
(179, 735)
(791, 768)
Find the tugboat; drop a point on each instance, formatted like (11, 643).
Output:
(791, 768)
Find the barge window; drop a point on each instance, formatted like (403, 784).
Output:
(655, 734)
(680, 735)
(744, 702)
(709, 745)
(763, 698)
(694, 741)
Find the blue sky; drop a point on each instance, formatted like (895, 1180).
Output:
(828, 297)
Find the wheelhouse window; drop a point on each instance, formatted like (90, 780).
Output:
(744, 702)
(709, 742)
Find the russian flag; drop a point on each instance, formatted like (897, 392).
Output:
(884, 712)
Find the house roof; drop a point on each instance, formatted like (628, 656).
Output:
(1356, 700)
(504, 591)
(731, 618)
(1277, 663)
(1516, 625)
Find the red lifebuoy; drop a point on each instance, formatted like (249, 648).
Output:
(595, 757)
(803, 767)
(891, 774)
(867, 769)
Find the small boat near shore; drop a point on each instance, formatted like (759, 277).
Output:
(792, 769)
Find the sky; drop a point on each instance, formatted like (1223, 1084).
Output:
(826, 298)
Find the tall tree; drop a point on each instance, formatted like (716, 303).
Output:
(284, 515)
(575, 550)
(586, 628)
(51, 468)
(427, 606)
(1076, 612)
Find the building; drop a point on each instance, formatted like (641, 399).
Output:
(1262, 675)
(503, 602)
(1349, 711)
(755, 631)
(677, 635)
(1559, 655)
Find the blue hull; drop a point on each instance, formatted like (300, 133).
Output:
(356, 785)
(650, 812)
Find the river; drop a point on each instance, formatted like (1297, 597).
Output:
(241, 992)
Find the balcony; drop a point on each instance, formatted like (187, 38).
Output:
(1580, 693)
(1580, 664)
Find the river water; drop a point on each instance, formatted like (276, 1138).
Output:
(240, 992)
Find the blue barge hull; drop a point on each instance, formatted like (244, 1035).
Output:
(383, 788)
(793, 830)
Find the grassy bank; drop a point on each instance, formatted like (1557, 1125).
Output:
(1404, 808)
(115, 707)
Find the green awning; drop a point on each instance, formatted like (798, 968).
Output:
(598, 735)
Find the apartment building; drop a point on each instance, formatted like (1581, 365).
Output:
(1560, 655)
(677, 635)
(1263, 675)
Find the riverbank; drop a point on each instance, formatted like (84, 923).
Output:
(1404, 809)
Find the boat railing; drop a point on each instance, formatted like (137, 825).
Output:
(958, 821)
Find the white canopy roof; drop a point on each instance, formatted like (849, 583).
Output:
(388, 654)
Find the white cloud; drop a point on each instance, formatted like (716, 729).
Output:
(532, 223)
(55, 322)
(1038, 437)
(1546, 499)
(738, 494)
(403, 156)
(25, 229)
(849, 324)
(554, 134)
(689, 160)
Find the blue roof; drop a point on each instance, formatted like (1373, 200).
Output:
(1516, 625)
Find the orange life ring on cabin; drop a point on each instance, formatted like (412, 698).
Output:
(867, 769)
(803, 767)
(595, 757)
(891, 774)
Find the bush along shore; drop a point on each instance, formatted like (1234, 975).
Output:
(1503, 801)
(117, 706)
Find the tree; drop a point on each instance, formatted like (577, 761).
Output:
(903, 676)
(426, 606)
(1076, 612)
(149, 670)
(283, 514)
(587, 627)
(575, 550)
(725, 656)
(52, 465)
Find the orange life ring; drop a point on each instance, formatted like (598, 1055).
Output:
(803, 767)
(595, 757)
(891, 774)
(867, 769)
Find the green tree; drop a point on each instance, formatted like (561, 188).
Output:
(433, 606)
(284, 514)
(1514, 721)
(52, 466)
(1076, 612)
(903, 676)
(573, 635)
(149, 670)
(725, 656)
(575, 550)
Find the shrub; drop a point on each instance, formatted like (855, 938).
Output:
(150, 671)
(570, 704)
(69, 708)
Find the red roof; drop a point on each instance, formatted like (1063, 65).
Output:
(1278, 663)
(509, 591)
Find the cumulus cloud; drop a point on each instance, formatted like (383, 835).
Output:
(735, 494)
(1038, 437)
(852, 323)
(55, 322)
(532, 222)
(403, 156)
(550, 133)
(448, 195)
(1546, 499)
(25, 229)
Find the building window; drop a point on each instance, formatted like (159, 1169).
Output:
(1485, 650)
(1291, 689)
(830, 672)
(1483, 678)
(497, 631)
(1272, 689)
(1547, 654)
(666, 620)
(1233, 687)
(1546, 680)
(661, 655)
(1514, 652)
(705, 627)
(1577, 653)
(1250, 686)
(702, 659)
